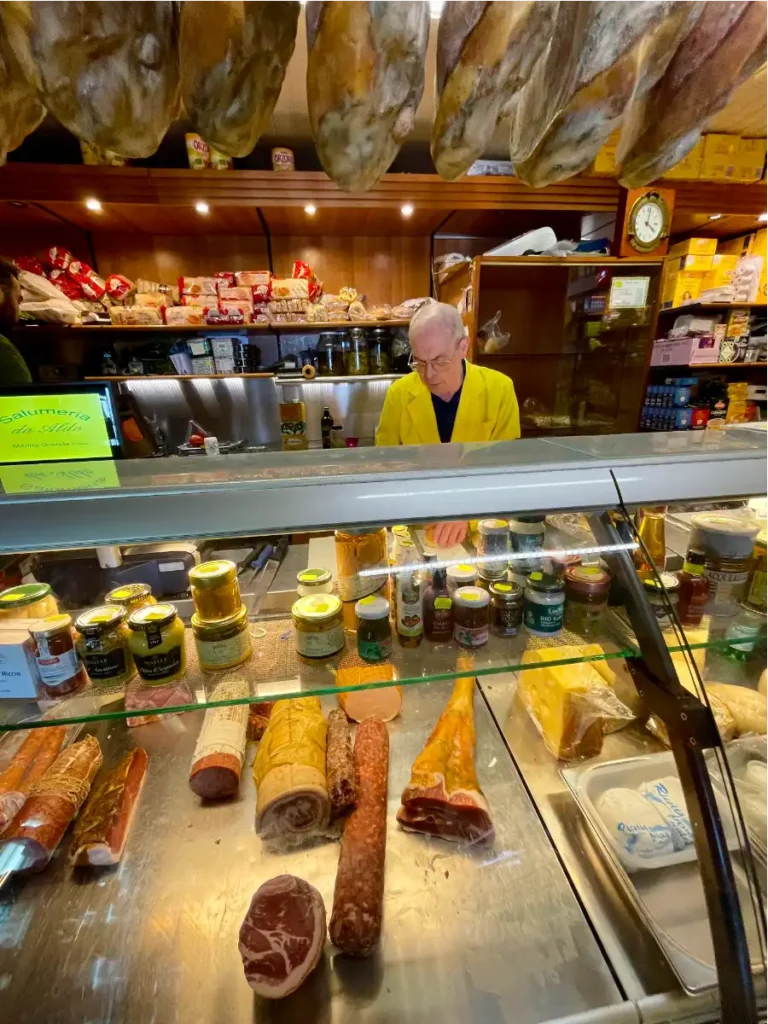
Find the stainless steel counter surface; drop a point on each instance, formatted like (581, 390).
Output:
(482, 937)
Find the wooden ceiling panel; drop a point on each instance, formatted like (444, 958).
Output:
(156, 219)
(334, 220)
(727, 226)
(15, 215)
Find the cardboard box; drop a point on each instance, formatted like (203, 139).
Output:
(741, 246)
(685, 351)
(759, 249)
(721, 271)
(718, 162)
(694, 261)
(689, 166)
(18, 668)
(694, 247)
(681, 287)
(749, 159)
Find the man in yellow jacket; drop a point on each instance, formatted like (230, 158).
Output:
(446, 398)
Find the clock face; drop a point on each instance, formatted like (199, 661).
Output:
(648, 222)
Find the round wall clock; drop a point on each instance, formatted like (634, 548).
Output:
(648, 222)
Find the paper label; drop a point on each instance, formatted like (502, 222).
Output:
(215, 654)
(320, 645)
(55, 669)
(470, 637)
(629, 292)
(223, 732)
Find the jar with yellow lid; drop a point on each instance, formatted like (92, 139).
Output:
(215, 590)
(314, 581)
(131, 596)
(102, 643)
(318, 625)
(224, 643)
(28, 601)
(157, 644)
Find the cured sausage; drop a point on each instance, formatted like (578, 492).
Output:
(359, 892)
(33, 759)
(339, 764)
(102, 828)
(218, 758)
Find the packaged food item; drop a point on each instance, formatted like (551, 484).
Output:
(145, 287)
(175, 316)
(318, 626)
(223, 643)
(357, 311)
(526, 537)
(198, 152)
(242, 309)
(293, 426)
(201, 301)
(66, 284)
(374, 633)
(485, 579)
(357, 551)
(18, 671)
(215, 590)
(314, 581)
(290, 288)
(748, 708)
(31, 264)
(33, 758)
(543, 604)
(220, 749)
(656, 589)
(438, 609)
(58, 662)
(236, 293)
(118, 287)
(651, 529)
(93, 286)
(28, 601)
(755, 593)
(164, 698)
(198, 286)
(303, 271)
(635, 824)
(409, 609)
(460, 576)
(216, 317)
(506, 617)
(226, 278)
(586, 598)
(694, 589)
(282, 159)
(102, 641)
(727, 540)
(667, 796)
(220, 161)
(471, 616)
(131, 596)
(59, 257)
(157, 644)
(382, 702)
(152, 300)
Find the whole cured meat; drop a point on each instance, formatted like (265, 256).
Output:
(20, 108)
(722, 50)
(102, 829)
(220, 749)
(108, 71)
(485, 53)
(340, 768)
(365, 79)
(444, 797)
(282, 935)
(359, 891)
(33, 759)
(233, 58)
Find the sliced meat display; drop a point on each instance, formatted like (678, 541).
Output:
(485, 53)
(233, 59)
(218, 758)
(724, 48)
(443, 797)
(20, 108)
(32, 760)
(102, 829)
(365, 78)
(282, 936)
(108, 71)
(340, 768)
(359, 892)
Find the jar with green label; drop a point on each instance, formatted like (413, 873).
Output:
(314, 581)
(224, 643)
(543, 604)
(586, 598)
(318, 625)
(102, 641)
(157, 644)
(470, 616)
(374, 632)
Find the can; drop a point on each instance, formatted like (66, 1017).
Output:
(282, 159)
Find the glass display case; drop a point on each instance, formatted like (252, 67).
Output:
(499, 708)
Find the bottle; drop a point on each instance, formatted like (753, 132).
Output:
(409, 615)
(650, 524)
(694, 589)
(326, 426)
(438, 609)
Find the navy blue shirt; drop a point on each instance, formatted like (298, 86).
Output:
(445, 412)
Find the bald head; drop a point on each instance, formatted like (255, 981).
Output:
(437, 317)
(438, 345)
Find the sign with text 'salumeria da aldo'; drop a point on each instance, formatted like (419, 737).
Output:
(45, 428)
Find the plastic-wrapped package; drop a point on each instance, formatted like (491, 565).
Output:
(490, 337)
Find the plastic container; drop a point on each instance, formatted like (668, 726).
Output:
(471, 608)
(374, 632)
(586, 598)
(215, 590)
(224, 643)
(131, 596)
(506, 609)
(102, 641)
(543, 604)
(318, 626)
(460, 576)
(157, 643)
(28, 601)
(58, 662)
(314, 581)
(493, 546)
(655, 590)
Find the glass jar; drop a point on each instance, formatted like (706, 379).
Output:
(486, 579)
(131, 596)
(157, 643)
(374, 633)
(358, 550)
(526, 538)
(379, 350)
(471, 616)
(506, 609)
(224, 643)
(543, 604)
(755, 594)
(460, 576)
(215, 590)
(318, 625)
(28, 601)
(727, 540)
(493, 546)
(330, 355)
(586, 598)
(102, 641)
(58, 663)
(356, 356)
(314, 581)
(655, 590)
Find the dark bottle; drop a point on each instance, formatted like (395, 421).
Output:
(438, 609)
(326, 426)
(694, 589)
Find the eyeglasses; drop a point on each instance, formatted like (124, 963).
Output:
(438, 365)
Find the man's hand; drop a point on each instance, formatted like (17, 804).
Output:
(448, 534)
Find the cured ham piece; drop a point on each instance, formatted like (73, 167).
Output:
(444, 797)
(32, 760)
(20, 108)
(723, 49)
(102, 828)
(485, 53)
(233, 58)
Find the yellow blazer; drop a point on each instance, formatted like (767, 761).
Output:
(487, 410)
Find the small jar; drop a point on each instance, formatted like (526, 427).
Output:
(506, 609)
(314, 581)
(470, 616)
(318, 625)
(157, 644)
(131, 596)
(460, 576)
(655, 590)
(356, 355)
(487, 579)
(543, 604)
(215, 590)
(586, 598)
(493, 546)
(28, 601)
(58, 663)
(374, 633)
(102, 641)
(224, 643)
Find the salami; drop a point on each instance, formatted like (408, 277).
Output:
(359, 892)
(33, 759)
(218, 758)
(339, 766)
(102, 828)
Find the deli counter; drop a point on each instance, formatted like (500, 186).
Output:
(467, 733)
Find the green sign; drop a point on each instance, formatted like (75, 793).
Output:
(43, 428)
(61, 476)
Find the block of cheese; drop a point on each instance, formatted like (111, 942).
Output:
(616, 674)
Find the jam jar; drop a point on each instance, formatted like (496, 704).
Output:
(58, 663)
(470, 616)
(506, 609)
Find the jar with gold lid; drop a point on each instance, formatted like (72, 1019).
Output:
(102, 643)
(215, 590)
(58, 662)
(157, 644)
(224, 643)
(131, 596)
(318, 625)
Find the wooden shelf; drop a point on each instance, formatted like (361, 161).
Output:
(722, 306)
(270, 328)
(179, 376)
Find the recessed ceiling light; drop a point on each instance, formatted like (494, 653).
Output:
(407, 209)
(715, 216)
(310, 209)
(763, 217)
(93, 204)
(202, 207)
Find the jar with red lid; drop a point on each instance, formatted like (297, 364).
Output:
(58, 662)
(586, 597)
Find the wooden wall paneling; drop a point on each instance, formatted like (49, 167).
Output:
(532, 304)
(167, 257)
(38, 239)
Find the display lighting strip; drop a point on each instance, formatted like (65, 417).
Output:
(512, 556)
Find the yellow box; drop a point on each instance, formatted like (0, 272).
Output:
(694, 261)
(718, 162)
(681, 286)
(694, 247)
(605, 161)
(741, 246)
(759, 249)
(721, 272)
(689, 166)
(749, 159)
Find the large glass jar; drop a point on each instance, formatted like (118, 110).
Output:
(102, 642)
(356, 355)
(215, 590)
(158, 644)
(379, 350)
(330, 355)
(28, 601)
(586, 598)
